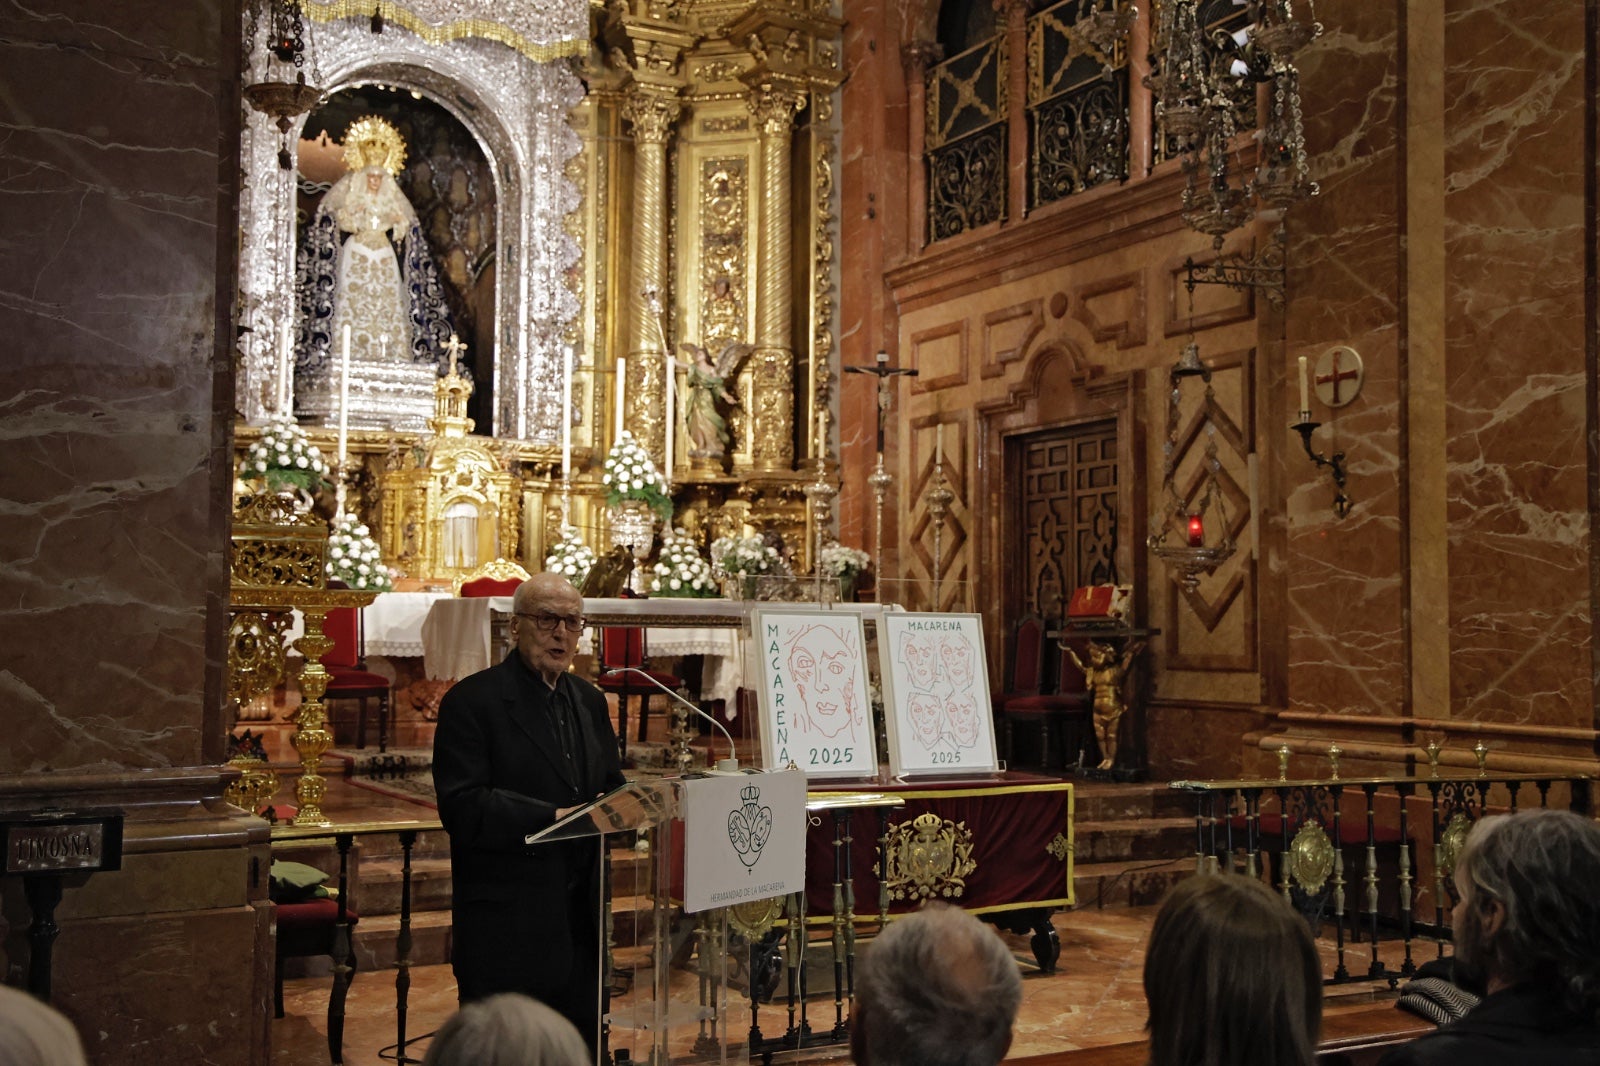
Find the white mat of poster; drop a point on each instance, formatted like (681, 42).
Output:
(936, 694)
(744, 838)
(814, 703)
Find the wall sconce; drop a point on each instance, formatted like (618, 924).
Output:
(1181, 543)
(1339, 374)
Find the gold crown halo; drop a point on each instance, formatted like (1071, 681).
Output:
(373, 141)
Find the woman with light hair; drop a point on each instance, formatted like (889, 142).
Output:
(1232, 978)
(507, 1030)
(34, 1033)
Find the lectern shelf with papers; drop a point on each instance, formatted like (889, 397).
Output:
(664, 919)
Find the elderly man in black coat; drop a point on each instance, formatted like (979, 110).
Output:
(519, 746)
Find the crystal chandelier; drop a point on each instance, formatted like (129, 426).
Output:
(1200, 79)
(1194, 538)
(286, 50)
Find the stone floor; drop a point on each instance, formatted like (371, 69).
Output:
(1095, 998)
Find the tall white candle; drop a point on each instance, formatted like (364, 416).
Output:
(285, 370)
(1305, 398)
(344, 419)
(566, 412)
(938, 444)
(672, 411)
(622, 373)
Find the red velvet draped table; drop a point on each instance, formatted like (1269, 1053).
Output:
(999, 846)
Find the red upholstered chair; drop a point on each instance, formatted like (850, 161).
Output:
(348, 677)
(1025, 700)
(500, 577)
(306, 930)
(622, 646)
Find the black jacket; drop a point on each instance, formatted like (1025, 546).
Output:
(499, 775)
(1518, 1026)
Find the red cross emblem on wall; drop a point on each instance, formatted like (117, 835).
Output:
(1339, 375)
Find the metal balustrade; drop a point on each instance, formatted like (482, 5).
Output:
(1344, 850)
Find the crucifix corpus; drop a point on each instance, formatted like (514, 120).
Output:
(880, 478)
(884, 372)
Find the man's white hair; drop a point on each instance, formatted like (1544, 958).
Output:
(937, 988)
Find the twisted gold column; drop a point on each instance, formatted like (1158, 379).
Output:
(772, 363)
(653, 113)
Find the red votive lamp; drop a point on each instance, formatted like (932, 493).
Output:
(1197, 532)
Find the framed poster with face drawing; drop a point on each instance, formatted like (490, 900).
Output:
(814, 705)
(936, 694)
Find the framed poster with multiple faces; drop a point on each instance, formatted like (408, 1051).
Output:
(936, 694)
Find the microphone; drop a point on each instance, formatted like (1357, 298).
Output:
(731, 763)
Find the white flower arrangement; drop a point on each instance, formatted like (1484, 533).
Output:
(283, 456)
(744, 557)
(630, 474)
(836, 560)
(681, 570)
(353, 557)
(570, 557)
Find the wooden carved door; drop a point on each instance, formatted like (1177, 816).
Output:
(1066, 516)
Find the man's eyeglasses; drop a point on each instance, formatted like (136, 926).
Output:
(545, 622)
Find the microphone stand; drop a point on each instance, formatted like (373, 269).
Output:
(731, 763)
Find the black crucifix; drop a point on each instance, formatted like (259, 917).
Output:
(883, 372)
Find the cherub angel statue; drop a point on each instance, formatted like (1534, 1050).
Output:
(706, 381)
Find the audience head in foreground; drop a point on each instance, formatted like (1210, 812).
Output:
(936, 988)
(507, 1030)
(1232, 977)
(35, 1034)
(1527, 934)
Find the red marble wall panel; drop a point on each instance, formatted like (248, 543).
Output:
(1516, 379)
(1344, 585)
(112, 392)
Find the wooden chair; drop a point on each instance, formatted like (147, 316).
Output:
(348, 676)
(1025, 699)
(624, 646)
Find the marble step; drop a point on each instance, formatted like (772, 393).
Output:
(380, 883)
(1146, 839)
(1099, 802)
(1097, 885)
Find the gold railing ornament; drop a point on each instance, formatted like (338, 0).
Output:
(1480, 751)
(1283, 762)
(1334, 753)
(1434, 748)
(1310, 858)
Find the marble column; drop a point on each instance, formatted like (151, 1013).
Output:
(653, 114)
(772, 362)
(918, 56)
(1014, 15)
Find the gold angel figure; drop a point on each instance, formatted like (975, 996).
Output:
(706, 381)
(1103, 677)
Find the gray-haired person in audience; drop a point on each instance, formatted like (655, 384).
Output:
(509, 1029)
(936, 988)
(1232, 977)
(35, 1034)
(1527, 934)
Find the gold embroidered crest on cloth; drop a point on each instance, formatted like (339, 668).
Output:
(929, 857)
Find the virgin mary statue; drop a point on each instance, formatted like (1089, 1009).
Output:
(364, 264)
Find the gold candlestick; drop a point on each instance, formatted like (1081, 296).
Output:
(939, 498)
(880, 480)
